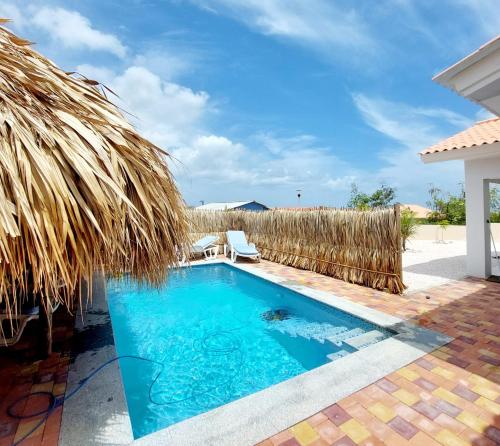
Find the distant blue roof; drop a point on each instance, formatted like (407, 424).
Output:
(228, 205)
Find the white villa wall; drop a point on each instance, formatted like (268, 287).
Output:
(477, 174)
(453, 232)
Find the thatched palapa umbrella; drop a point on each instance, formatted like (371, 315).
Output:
(80, 189)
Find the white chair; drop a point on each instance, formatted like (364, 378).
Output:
(206, 246)
(238, 246)
(19, 322)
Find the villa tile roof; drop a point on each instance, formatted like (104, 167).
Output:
(483, 132)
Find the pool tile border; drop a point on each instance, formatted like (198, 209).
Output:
(260, 415)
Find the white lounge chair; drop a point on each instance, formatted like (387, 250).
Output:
(19, 322)
(206, 246)
(238, 246)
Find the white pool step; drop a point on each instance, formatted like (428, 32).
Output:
(365, 339)
(338, 338)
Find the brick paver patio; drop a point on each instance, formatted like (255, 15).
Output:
(20, 376)
(450, 397)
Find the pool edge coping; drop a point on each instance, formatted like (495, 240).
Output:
(257, 416)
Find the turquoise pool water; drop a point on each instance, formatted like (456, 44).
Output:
(221, 334)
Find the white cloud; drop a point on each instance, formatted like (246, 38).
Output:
(320, 24)
(483, 114)
(12, 12)
(217, 168)
(412, 129)
(67, 28)
(167, 113)
(174, 116)
(72, 30)
(486, 14)
(170, 61)
(364, 34)
(271, 167)
(266, 166)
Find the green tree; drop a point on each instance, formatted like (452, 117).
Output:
(409, 226)
(446, 206)
(383, 196)
(495, 204)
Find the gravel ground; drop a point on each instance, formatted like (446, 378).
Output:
(427, 263)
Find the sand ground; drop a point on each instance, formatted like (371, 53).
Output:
(427, 263)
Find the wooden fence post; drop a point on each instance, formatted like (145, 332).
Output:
(397, 212)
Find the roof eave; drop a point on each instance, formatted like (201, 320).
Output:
(444, 77)
(466, 153)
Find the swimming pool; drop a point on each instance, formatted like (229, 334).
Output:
(217, 334)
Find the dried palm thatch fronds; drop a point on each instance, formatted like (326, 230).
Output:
(80, 189)
(362, 247)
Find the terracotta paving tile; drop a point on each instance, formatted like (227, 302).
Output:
(448, 438)
(344, 441)
(319, 442)
(465, 392)
(281, 437)
(406, 397)
(383, 413)
(336, 414)
(489, 405)
(317, 418)
(426, 410)
(493, 433)
(378, 428)
(447, 408)
(422, 439)
(406, 412)
(422, 362)
(304, 433)
(450, 423)
(490, 360)
(290, 442)
(6, 441)
(7, 429)
(329, 432)
(53, 440)
(29, 429)
(355, 430)
(427, 385)
(372, 441)
(408, 374)
(472, 421)
(486, 391)
(458, 361)
(402, 427)
(387, 385)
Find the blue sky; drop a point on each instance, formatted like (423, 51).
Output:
(258, 98)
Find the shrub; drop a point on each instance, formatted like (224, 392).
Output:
(409, 226)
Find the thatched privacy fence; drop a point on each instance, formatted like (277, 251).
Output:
(362, 247)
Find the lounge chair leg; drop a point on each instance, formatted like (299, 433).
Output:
(45, 331)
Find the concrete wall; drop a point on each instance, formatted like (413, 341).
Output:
(453, 232)
(478, 173)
